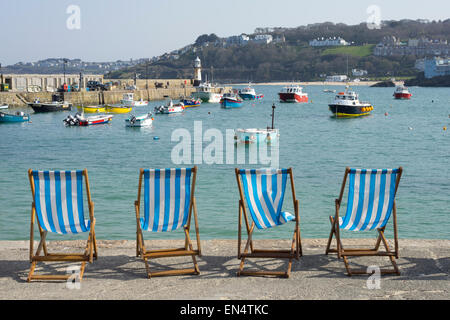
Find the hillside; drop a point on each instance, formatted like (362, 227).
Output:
(293, 58)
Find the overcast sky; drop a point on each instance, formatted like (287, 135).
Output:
(110, 30)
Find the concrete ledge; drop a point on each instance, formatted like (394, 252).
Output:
(118, 274)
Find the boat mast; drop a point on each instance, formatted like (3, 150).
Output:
(273, 114)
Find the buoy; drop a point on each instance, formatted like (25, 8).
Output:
(386, 114)
(445, 128)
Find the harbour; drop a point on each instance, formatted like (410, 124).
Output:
(311, 140)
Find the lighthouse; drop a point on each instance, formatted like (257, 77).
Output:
(197, 72)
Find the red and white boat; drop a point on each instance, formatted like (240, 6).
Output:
(293, 93)
(402, 92)
(81, 120)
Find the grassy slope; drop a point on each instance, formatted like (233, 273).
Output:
(358, 51)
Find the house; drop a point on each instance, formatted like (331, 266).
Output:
(436, 66)
(322, 42)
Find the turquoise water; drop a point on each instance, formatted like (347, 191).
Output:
(317, 146)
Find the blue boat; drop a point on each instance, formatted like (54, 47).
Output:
(249, 93)
(191, 102)
(230, 100)
(18, 117)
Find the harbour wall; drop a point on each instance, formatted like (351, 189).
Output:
(17, 99)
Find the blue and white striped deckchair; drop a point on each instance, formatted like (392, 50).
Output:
(59, 207)
(263, 190)
(168, 204)
(370, 204)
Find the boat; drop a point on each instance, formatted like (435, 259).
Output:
(254, 135)
(346, 104)
(249, 93)
(191, 102)
(293, 93)
(140, 121)
(128, 100)
(92, 109)
(117, 109)
(4, 106)
(329, 90)
(19, 116)
(402, 92)
(231, 100)
(55, 105)
(80, 120)
(170, 108)
(206, 93)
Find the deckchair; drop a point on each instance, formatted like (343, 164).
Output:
(58, 206)
(168, 204)
(263, 190)
(371, 201)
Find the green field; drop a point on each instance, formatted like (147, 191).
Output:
(358, 51)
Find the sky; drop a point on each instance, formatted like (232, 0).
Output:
(109, 30)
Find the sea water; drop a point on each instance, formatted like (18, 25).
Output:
(407, 133)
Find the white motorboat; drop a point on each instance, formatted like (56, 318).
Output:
(140, 121)
(128, 100)
(269, 135)
(170, 108)
(207, 93)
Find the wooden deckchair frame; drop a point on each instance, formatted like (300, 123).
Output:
(187, 250)
(295, 251)
(345, 253)
(90, 252)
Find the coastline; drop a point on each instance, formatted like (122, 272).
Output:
(118, 274)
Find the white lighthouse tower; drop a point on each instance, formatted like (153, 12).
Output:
(197, 72)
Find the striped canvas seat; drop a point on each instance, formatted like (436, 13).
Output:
(167, 194)
(370, 199)
(58, 199)
(264, 193)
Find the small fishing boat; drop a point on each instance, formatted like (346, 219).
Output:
(191, 102)
(4, 106)
(91, 109)
(19, 116)
(55, 105)
(80, 120)
(329, 90)
(293, 93)
(117, 109)
(231, 100)
(253, 135)
(249, 93)
(170, 108)
(402, 92)
(346, 104)
(140, 121)
(128, 100)
(207, 93)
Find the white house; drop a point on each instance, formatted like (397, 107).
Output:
(263, 38)
(336, 78)
(322, 42)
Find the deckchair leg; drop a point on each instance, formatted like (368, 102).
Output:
(333, 232)
(373, 252)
